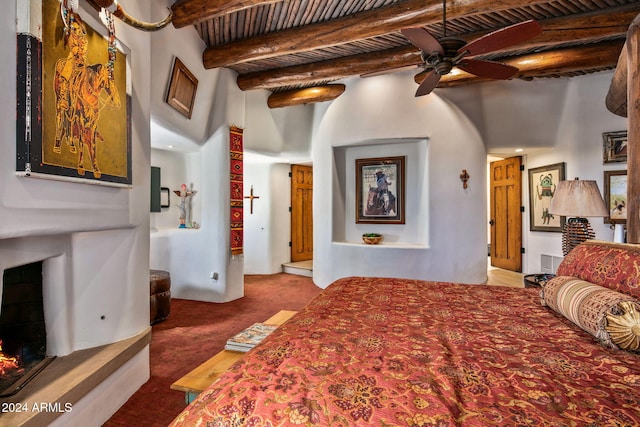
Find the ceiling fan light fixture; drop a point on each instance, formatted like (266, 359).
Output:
(452, 45)
(431, 59)
(441, 55)
(443, 67)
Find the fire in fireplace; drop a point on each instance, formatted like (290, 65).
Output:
(9, 366)
(22, 326)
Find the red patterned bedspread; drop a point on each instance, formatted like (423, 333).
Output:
(395, 352)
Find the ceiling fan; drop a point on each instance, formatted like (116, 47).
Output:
(441, 55)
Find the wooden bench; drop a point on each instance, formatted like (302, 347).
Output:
(204, 375)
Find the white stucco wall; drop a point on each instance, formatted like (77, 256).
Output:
(281, 133)
(174, 171)
(98, 216)
(557, 120)
(191, 255)
(556, 112)
(267, 230)
(274, 139)
(93, 239)
(201, 154)
(562, 120)
(578, 143)
(169, 127)
(384, 108)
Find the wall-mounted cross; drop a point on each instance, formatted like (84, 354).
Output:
(251, 197)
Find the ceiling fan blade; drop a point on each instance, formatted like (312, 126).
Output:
(428, 84)
(502, 38)
(423, 40)
(490, 69)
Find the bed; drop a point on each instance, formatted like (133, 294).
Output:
(399, 352)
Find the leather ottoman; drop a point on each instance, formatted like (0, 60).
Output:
(160, 295)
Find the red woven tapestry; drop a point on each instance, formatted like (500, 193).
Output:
(235, 174)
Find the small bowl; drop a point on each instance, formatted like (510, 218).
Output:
(372, 238)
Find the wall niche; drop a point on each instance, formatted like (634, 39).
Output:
(414, 233)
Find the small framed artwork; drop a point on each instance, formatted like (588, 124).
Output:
(543, 182)
(182, 89)
(615, 196)
(380, 190)
(614, 146)
(165, 197)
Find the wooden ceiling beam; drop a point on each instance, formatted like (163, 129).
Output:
(546, 64)
(191, 12)
(582, 28)
(305, 96)
(616, 100)
(534, 65)
(334, 69)
(585, 27)
(358, 26)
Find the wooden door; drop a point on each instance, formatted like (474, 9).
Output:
(505, 213)
(301, 213)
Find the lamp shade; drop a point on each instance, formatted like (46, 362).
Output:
(578, 199)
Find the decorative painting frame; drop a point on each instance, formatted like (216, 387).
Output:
(380, 190)
(615, 196)
(71, 128)
(165, 197)
(543, 182)
(182, 89)
(614, 147)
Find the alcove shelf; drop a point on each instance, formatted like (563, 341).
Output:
(414, 232)
(383, 245)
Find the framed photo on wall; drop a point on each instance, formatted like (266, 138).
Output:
(614, 146)
(182, 89)
(380, 189)
(543, 182)
(615, 196)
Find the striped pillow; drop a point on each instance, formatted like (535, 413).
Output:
(612, 317)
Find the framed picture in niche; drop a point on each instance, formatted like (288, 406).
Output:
(165, 197)
(543, 182)
(614, 146)
(615, 196)
(182, 89)
(380, 189)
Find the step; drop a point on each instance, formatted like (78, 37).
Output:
(304, 268)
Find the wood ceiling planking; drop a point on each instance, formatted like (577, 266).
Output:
(225, 31)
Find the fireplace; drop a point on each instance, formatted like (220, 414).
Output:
(23, 343)
(97, 341)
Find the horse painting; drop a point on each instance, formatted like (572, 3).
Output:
(82, 91)
(380, 203)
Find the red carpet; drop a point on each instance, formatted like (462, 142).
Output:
(194, 332)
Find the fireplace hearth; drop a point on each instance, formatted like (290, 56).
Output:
(23, 343)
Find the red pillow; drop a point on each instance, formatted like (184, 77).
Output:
(611, 265)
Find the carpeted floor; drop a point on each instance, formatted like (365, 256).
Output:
(194, 332)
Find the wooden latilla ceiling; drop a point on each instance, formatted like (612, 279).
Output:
(289, 46)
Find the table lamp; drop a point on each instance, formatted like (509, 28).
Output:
(577, 199)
